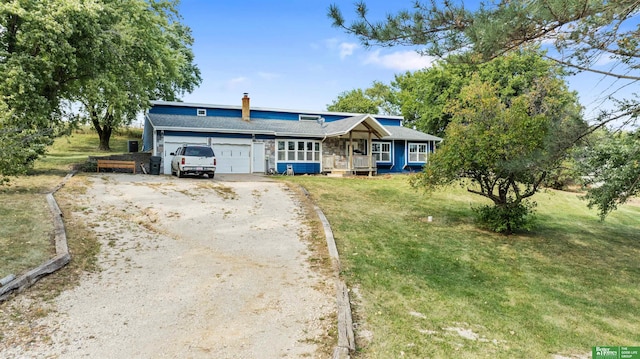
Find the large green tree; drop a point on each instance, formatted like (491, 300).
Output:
(578, 34)
(109, 56)
(377, 99)
(146, 55)
(46, 47)
(610, 150)
(423, 94)
(505, 142)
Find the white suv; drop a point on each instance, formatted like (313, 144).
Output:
(193, 159)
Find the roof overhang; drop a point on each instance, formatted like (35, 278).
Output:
(358, 127)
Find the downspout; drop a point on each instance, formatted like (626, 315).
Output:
(406, 155)
(322, 154)
(369, 153)
(351, 151)
(393, 155)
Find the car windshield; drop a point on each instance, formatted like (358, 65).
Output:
(199, 151)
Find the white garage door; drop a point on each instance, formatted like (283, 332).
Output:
(233, 158)
(171, 144)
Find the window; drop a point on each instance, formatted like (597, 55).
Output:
(308, 117)
(418, 152)
(282, 154)
(202, 112)
(298, 151)
(381, 151)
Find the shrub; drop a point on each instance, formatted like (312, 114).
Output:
(506, 218)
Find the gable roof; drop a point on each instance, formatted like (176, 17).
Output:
(409, 134)
(359, 123)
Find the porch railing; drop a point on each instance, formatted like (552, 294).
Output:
(334, 162)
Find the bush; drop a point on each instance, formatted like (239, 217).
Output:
(506, 218)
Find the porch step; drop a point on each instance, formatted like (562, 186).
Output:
(339, 173)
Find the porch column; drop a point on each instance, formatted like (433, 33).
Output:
(351, 151)
(369, 153)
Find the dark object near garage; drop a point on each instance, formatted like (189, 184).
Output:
(154, 165)
(133, 146)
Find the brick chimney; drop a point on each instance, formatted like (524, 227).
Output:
(246, 111)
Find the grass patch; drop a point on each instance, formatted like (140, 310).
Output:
(447, 289)
(25, 221)
(25, 238)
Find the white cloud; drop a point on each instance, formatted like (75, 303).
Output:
(400, 61)
(236, 82)
(346, 49)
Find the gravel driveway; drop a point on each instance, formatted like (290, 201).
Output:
(192, 268)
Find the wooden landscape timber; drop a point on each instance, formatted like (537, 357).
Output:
(116, 164)
(61, 258)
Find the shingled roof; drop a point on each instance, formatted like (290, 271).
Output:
(316, 129)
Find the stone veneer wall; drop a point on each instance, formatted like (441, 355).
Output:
(338, 146)
(269, 152)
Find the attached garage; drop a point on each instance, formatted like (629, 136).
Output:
(171, 144)
(232, 158)
(233, 155)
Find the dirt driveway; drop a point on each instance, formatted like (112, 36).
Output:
(192, 268)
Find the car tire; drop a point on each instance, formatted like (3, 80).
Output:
(211, 175)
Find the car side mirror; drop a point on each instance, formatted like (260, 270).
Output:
(172, 154)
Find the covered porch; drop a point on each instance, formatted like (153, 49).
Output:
(347, 148)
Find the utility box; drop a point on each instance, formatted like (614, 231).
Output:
(133, 146)
(154, 165)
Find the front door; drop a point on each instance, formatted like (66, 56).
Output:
(258, 157)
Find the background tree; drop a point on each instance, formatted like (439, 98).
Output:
(111, 57)
(609, 150)
(46, 47)
(378, 99)
(424, 94)
(505, 146)
(146, 55)
(579, 34)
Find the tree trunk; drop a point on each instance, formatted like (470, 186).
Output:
(104, 132)
(105, 136)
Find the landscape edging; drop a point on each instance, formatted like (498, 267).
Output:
(346, 338)
(61, 258)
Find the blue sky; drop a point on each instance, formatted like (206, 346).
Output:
(286, 54)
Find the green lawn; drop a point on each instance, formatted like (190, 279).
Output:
(421, 287)
(25, 221)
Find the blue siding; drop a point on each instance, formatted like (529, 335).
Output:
(206, 134)
(398, 155)
(385, 168)
(299, 168)
(173, 110)
(389, 121)
(269, 115)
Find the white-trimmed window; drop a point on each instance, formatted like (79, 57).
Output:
(381, 151)
(202, 112)
(298, 151)
(308, 117)
(418, 152)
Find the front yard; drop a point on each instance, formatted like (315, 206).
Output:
(445, 289)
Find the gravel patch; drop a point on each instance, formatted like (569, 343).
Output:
(191, 268)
